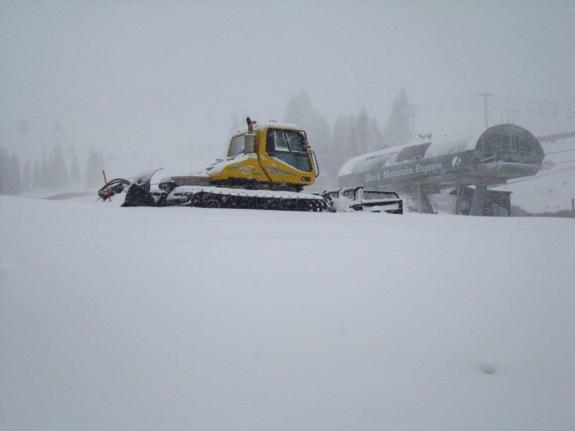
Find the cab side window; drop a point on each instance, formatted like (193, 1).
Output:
(270, 146)
(236, 146)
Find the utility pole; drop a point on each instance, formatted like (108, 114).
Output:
(485, 97)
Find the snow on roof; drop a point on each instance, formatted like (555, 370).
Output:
(270, 123)
(439, 147)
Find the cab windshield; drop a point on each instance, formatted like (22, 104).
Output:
(290, 146)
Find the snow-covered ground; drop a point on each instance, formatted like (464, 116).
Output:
(554, 186)
(196, 319)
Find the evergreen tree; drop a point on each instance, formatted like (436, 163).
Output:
(375, 136)
(16, 174)
(27, 176)
(4, 161)
(12, 179)
(397, 129)
(299, 110)
(343, 139)
(74, 168)
(10, 174)
(353, 136)
(37, 175)
(58, 169)
(94, 167)
(44, 179)
(361, 133)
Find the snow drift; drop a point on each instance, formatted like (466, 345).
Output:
(182, 318)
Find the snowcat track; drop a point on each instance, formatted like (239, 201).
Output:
(216, 197)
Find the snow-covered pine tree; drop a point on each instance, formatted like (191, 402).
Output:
(397, 130)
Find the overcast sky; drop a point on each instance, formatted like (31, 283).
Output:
(162, 73)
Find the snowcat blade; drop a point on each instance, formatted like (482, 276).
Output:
(138, 196)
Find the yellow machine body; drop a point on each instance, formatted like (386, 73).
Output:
(272, 156)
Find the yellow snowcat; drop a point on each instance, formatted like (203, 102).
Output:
(266, 167)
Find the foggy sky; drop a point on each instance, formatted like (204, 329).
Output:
(161, 74)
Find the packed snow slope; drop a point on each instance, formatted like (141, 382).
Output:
(554, 186)
(196, 319)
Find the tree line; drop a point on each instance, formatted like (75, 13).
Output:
(350, 135)
(53, 170)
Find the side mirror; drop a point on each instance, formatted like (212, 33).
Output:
(249, 143)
